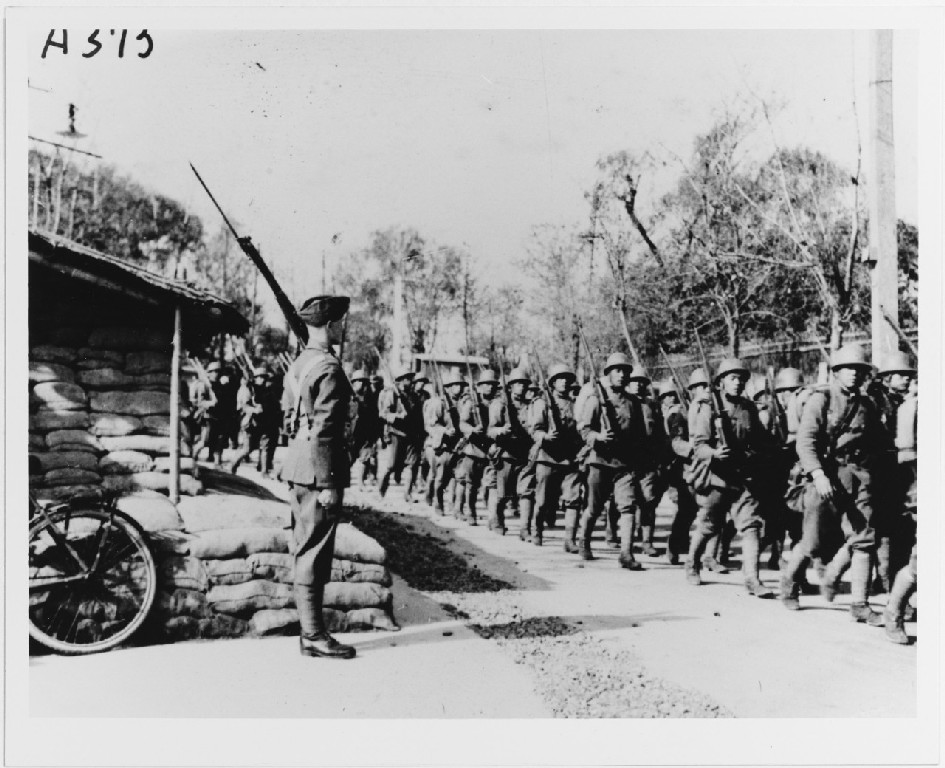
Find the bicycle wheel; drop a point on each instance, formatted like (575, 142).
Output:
(93, 587)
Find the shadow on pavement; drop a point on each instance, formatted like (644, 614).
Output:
(216, 481)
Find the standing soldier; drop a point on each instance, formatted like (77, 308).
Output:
(473, 422)
(614, 432)
(515, 474)
(735, 447)
(399, 410)
(654, 454)
(441, 420)
(365, 426)
(317, 468)
(209, 416)
(556, 445)
(838, 442)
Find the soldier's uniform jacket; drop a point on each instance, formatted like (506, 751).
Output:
(563, 450)
(514, 445)
(318, 454)
(750, 443)
(625, 450)
(364, 426)
(906, 428)
(676, 426)
(861, 442)
(438, 422)
(477, 443)
(400, 411)
(656, 449)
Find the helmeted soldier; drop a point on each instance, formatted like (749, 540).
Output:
(317, 468)
(365, 426)
(508, 430)
(421, 392)
(557, 442)
(473, 423)
(402, 416)
(262, 419)
(441, 420)
(838, 442)
(734, 447)
(210, 405)
(614, 431)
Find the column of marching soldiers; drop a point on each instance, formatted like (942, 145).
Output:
(822, 475)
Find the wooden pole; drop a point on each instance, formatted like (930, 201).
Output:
(174, 482)
(883, 244)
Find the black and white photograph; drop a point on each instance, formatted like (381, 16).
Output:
(483, 386)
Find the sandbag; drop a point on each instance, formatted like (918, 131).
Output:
(65, 492)
(275, 566)
(40, 371)
(236, 542)
(36, 481)
(155, 481)
(137, 363)
(184, 572)
(274, 621)
(182, 602)
(37, 443)
(234, 570)
(139, 403)
(48, 353)
(168, 542)
(48, 420)
(125, 462)
(163, 464)
(346, 596)
(352, 544)
(157, 425)
(152, 511)
(71, 476)
(349, 570)
(218, 625)
(335, 621)
(60, 459)
(179, 628)
(114, 424)
(143, 443)
(251, 596)
(104, 378)
(220, 511)
(60, 438)
(371, 618)
(60, 395)
(68, 336)
(99, 358)
(160, 381)
(129, 338)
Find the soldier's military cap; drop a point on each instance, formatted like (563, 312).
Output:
(560, 369)
(732, 365)
(214, 366)
(897, 362)
(487, 377)
(697, 377)
(618, 360)
(518, 374)
(850, 356)
(360, 375)
(788, 378)
(321, 310)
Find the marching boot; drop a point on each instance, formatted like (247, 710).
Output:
(611, 520)
(860, 611)
(585, 531)
(882, 564)
(774, 560)
(790, 583)
(902, 589)
(751, 551)
(833, 572)
(499, 519)
(492, 507)
(539, 526)
(384, 484)
(725, 542)
(570, 530)
(628, 525)
(315, 640)
(526, 508)
(697, 546)
(472, 495)
(646, 535)
(710, 558)
(459, 500)
(411, 482)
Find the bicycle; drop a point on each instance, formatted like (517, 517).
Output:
(92, 577)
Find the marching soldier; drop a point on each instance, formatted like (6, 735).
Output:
(515, 474)
(734, 446)
(422, 395)
(652, 457)
(317, 468)
(441, 420)
(839, 441)
(473, 422)
(614, 432)
(262, 418)
(366, 425)
(210, 404)
(400, 411)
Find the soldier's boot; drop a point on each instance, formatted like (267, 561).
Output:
(539, 529)
(790, 581)
(628, 526)
(646, 536)
(611, 524)
(315, 640)
(570, 530)
(472, 497)
(860, 611)
(725, 543)
(499, 520)
(411, 483)
(902, 589)
(751, 552)
(526, 510)
(882, 564)
(492, 507)
(585, 531)
(710, 558)
(830, 580)
(384, 484)
(459, 500)
(697, 545)
(774, 559)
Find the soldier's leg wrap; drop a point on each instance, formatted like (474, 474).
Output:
(570, 484)
(711, 508)
(600, 484)
(313, 544)
(860, 567)
(790, 577)
(903, 588)
(546, 487)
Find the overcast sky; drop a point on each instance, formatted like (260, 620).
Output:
(471, 137)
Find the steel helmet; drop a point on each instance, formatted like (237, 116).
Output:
(757, 385)
(897, 362)
(618, 360)
(697, 377)
(518, 374)
(487, 377)
(452, 378)
(420, 377)
(788, 378)
(850, 356)
(360, 375)
(732, 365)
(403, 373)
(666, 387)
(640, 374)
(560, 369)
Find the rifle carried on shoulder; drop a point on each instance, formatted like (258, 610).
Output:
(719, 415)
(555, 413)
(777, 409)
(681, 392)
(608, 411)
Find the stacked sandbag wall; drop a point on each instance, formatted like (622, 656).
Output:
(230, 574)
(100, 411)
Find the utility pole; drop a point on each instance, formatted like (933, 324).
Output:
(883, 242)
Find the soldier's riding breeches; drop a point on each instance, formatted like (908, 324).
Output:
(622, 483)
(556, 482)
(849, 516)
(739, 502)
(313, 535)
(514, 481)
